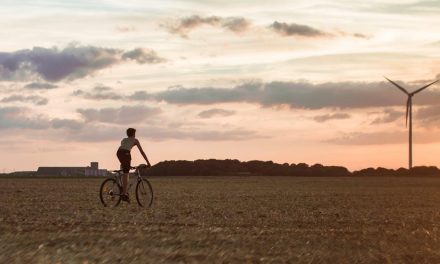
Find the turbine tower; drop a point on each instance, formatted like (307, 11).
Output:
(409, 112)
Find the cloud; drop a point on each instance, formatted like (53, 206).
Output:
(34, 99)
(293, 29)
(102, 88)
(102, 92)
(40, 86)
(108, 128)
(236, 24)
(122, 115)
(72, 62)
(360, 35)
(303, 95)
(389, 115)
(327, 117)
(143, 56)
(215, 112)
(425, 116)
(99, 92)
(23, 118)
(71, 124)
(184, 25)
(17, 117)
(140, 96)
(429, 116)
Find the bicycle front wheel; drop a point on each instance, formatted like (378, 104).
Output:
(144, 193)
(110, 193)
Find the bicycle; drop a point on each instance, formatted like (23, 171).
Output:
(111, 189)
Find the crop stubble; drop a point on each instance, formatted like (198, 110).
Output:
(224, 219)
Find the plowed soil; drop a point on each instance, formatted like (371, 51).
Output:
(224, 219)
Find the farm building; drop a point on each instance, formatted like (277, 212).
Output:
(92, 170)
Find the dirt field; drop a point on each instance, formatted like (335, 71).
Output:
(224, 219)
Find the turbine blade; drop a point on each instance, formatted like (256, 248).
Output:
(398, 86)
(424, 87)
(408, 102)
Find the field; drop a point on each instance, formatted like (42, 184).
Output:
(224, 219)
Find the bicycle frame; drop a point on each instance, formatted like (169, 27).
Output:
(118, 177)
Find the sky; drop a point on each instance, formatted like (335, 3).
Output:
(287, 81)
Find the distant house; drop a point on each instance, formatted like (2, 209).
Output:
(92, 170)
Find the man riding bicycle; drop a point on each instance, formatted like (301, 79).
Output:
(124, 157)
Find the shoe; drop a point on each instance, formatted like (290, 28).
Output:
(125, 198)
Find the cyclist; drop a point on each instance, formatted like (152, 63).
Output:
(124, 157)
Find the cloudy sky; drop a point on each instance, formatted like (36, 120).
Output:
(288, 81)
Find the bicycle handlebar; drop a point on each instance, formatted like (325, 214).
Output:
(141, 166)
(135, 168)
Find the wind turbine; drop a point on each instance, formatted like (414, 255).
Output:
(409, 112)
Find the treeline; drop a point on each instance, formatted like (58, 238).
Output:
(229, 167)
(415, 171)
(213, 167)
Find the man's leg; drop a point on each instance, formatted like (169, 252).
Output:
(124, 183)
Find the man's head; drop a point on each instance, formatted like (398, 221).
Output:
(131, 132)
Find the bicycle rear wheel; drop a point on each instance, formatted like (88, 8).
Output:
(110, 193)
(144, 193)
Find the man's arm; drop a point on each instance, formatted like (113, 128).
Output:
(138, 144)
